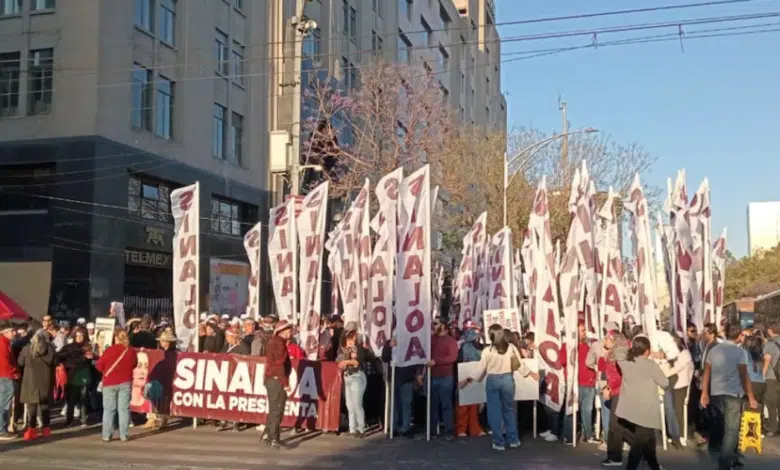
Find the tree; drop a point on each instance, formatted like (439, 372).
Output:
(396, 117)
(753, 275)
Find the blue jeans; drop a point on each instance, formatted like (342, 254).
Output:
(354, 388)
(500, 389)
(672, 426)
(587, 403)
(725, 416)
(116, 400)
(605, 416)
(6, 397)
(441, 396)
(404, 393)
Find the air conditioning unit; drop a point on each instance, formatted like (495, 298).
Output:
(278, 149)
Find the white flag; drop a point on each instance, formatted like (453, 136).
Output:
(283, 258)
(252, 243)
(185, 207)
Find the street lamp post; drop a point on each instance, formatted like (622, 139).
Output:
(529, 152)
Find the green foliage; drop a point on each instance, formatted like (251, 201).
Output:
(754, 275)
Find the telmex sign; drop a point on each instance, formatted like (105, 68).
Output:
(147, 258)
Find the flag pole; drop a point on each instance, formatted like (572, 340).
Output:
(392, 396)
(428, 407)
(387, 397)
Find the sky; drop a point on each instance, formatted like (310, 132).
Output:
(710, 106)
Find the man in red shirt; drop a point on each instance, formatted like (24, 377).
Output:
(586, 381)
(8, 373)
(277, 381)
(444, 355)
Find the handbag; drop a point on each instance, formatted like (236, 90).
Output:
(111, 369)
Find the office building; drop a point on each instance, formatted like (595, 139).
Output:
(105, 108)
(763, 225)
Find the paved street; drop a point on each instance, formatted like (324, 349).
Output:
(205, 448)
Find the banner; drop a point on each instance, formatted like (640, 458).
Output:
(413, 277)
(227, 278)
(347, 238)
(719, 276)
(508, 318)
(252, 242)
(500, 294)
(104, 333)
(582, 207)
(544, 300)
(610, 289)
(465, 280)
(311, 236)
(364, 258)
(383, 261)
(701, 234)
(230, 387)
(185, 207)
(283, 259)
(646, 301)
(526, 388)
(480, 269)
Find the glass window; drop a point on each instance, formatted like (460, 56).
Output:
(428, 31)
(238, 4)
(219, 132)
(164, 117)
(444, 59)
(377, 5)
(404, 49)
(38, 5)
(353, 76)
(168, 21)
(142, 98)
(353, 28)
(41, 81)
(345, 71)
(345, 17)
(238, 63)
(236, 137)
(148, 199)
(405, 9)
(312, 44)
(225, 217)
(222, 53)
(144, 14)
(10, 7)
(445, 18)
(10, 65)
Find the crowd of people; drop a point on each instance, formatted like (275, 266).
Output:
(706, 379)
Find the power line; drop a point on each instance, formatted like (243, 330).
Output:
(335, 37)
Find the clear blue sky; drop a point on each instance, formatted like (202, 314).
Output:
(712, 109)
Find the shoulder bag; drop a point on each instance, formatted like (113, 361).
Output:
(111, 369)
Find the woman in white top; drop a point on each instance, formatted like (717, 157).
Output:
(680, 375)
(498, 362)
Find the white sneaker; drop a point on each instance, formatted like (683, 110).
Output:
(515, 445)
(545, 434)
(603, 447)
(499, 448)
(683, 442)
(260, 427)
(626, 447)
(77, 412)
(551, 438)
(64, 411)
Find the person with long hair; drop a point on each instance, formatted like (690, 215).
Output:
(680, 375)
(754, 345)
(76, 357)
(117, 365)
(615, 348)
(498, 363)
(351, 358)
(37, 359)
(638, 405)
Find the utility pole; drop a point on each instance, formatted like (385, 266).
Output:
(564, 143)
(299, 24)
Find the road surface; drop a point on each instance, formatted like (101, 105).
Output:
(181, 448)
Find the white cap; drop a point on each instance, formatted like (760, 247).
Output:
(245, 316)
(226, 317)
(81, 321)
(203, 316)
(90, 325)
(235, 321)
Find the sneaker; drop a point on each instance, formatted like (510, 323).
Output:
(449, 438)
(592, 440)
(76, 413)
(551, 438)
(545, 434)
(515, 445)
(683, 442)
(7, 436)
(626, 447)
(46, 432)
(64, 411)
(499, 448)
(611, 463)
(603, 447)
(279, 445)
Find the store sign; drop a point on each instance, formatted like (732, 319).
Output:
(155, 236)
(148, 259)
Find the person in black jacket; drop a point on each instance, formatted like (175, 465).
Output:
(76, 357)
(214, 339)
(143, 337)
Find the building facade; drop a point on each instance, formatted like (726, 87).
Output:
(763, 225)
(105, 108)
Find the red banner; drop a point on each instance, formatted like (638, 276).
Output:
(229, 387)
